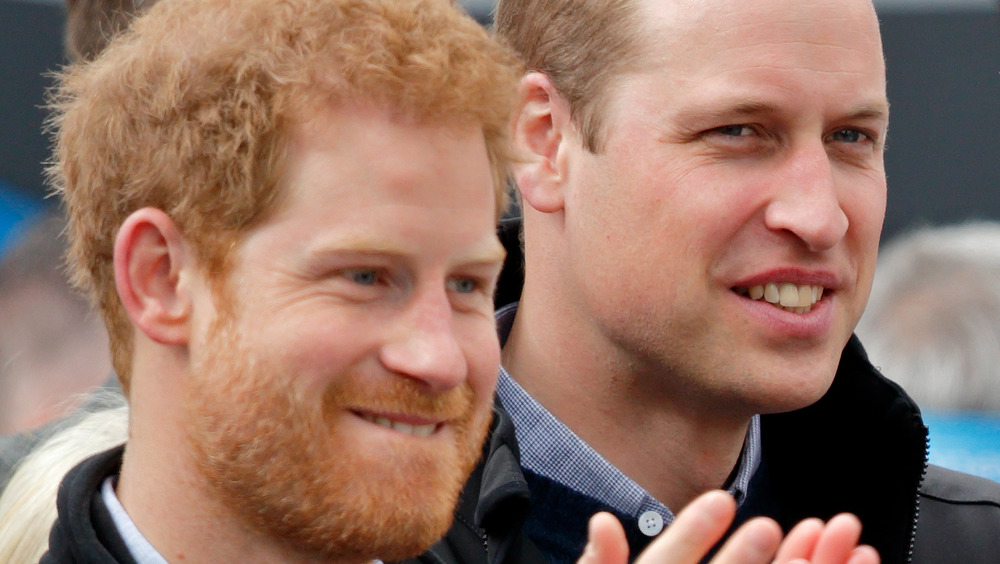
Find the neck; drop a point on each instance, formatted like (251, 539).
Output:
(670, 441)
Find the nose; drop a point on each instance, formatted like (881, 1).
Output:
(424, 346)
(807, 203)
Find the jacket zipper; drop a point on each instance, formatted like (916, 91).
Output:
(916, 497)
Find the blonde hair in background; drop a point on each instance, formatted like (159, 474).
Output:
(28, 504)
(190, 115)
(932, 324)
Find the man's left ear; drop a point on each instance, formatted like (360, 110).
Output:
(152, 267)
(541, 123)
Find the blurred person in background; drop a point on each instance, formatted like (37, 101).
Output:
(28, 504)
(51, 343)
(933, 326)
(90, 26)
(17, 213)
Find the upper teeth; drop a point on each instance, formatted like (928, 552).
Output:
(415, 430)
(792, 297)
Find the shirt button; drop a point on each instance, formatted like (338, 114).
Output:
(650, 523)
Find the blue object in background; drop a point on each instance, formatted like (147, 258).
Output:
(965, 441)
(17, 213)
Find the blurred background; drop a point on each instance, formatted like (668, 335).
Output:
(943, 61)
(943, 164)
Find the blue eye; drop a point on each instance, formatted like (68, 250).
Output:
(734, 130)
(849, 136)
(362, 277)
(463, 285)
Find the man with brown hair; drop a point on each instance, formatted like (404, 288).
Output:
(286, 211)
(702, 200)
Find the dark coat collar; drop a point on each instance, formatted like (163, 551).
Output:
(84, 532)
(861, 448)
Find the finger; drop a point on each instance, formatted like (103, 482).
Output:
(693, 533)
(606, 543)
(838, 540)
(754, 543)
(800, 541)
(864, 554)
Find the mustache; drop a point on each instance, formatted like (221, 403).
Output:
(400, 396)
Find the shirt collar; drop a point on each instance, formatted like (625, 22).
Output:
(141, 550)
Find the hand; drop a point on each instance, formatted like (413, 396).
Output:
(836, 542)
(705, 520)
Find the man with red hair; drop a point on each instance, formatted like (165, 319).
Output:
(286, 214)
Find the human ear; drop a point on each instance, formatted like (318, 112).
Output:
(541, 123)
(150, 256)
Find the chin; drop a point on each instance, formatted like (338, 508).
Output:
(795, 393)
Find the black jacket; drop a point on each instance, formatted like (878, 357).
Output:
(84, 532)
(862, 448)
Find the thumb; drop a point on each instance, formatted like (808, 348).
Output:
(693, 533)
(606, 542)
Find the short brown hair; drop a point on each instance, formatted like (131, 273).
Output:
(579, 44)
(189, 110)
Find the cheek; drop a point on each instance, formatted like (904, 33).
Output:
(312, 348)
(865, 203)
(865, 211)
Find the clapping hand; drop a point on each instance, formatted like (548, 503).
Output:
(759, 541)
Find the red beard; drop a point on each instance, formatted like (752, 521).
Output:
(285, 467)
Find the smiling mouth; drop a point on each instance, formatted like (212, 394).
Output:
(796, 298)
(406, 428)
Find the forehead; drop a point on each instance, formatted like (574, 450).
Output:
(360, 175)
(741, 23)
(356, 148)
(828, 47)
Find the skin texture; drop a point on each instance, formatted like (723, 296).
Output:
(749, 151)
(367, 293)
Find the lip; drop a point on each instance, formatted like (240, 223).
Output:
(827, 279)
(778, 323)
(407, 418)
(401, 423)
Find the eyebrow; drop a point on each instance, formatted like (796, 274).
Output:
(878, 111)
(743, 108)
(714, 111)
(489, 251)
